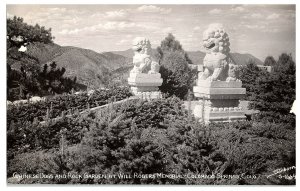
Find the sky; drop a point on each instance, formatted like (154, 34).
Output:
(260, 30)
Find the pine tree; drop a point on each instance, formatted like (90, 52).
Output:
(275, 93)
(248, 74)
(269, 61)
(176, 74)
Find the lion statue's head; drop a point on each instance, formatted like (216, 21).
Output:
(141, 45)
(215, 39)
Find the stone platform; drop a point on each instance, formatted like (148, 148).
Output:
(219, 100)
(145, 85)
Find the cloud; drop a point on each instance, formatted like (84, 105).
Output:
(54, 17)
(116, 14)
(271, 30)
(115, 26)
(263, 28)
(155, 42)
(8, 15)
(123, 41)
(273, 16)
(253, 16)
(256, 15)
(215, 11)
(69, 31)
(57, 9)
(196, 28)
(254, 26)
(167, 30)
(238, 9)
(153, 9)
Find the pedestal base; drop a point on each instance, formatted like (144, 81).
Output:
(148, 95)
(219, 101)
(219, 114)
(145, 86)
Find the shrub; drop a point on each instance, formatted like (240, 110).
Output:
(64, 103)
(121, 141)
(257, 149)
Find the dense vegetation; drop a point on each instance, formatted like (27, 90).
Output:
(40, 82)
(155, 137)
(54, 106)
(272, 93)
(276, 92)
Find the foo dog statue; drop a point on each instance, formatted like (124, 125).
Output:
(144, 78)
(217, 63)
(218, 90)
(142, 60)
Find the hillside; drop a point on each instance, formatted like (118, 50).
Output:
(243, 59)
(91, 68)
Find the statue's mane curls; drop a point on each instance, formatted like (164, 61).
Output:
(216, 35)
(140, 43)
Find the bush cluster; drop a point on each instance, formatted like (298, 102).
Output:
(64, 103)
(158, 137)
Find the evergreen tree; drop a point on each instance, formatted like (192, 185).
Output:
(23, 81)
(30, 79)
(270, 61)
(176, 74)
(275, 93)
(21, 34)
(248, 74)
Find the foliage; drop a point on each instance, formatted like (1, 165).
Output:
(255, 150)
(275, 93)
(270, 61)
(52, 80)
(248, 74)
(20, 33)
(177, 76)
(24, 137)
(39, 82)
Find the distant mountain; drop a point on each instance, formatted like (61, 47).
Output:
(196, 57)
(126, 53)
(243, 59)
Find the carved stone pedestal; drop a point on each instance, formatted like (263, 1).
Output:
(219, 101)
(145, 85)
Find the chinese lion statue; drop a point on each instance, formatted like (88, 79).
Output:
(217, 63)
(142, 60)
